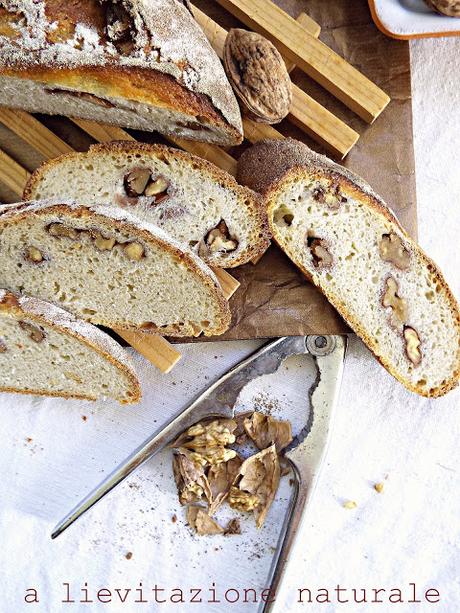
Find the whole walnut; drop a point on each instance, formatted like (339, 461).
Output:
(445, 7)
(258, 75)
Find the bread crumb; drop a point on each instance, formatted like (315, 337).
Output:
(84, 418)
(350, 504)
(174, 518)
(128, 555)
(378, 487)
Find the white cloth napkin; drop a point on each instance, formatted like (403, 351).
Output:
(52, 452)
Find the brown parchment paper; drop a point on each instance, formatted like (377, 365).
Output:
(274, 299)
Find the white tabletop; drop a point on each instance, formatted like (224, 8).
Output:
(53, 451)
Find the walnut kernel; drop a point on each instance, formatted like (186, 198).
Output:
(36, 333)
(135, 251)
(34, 255)
(136, 181)
(392, 250)
(412, 345)
(242, 501)
(102, 243)
(157, 187)
(218, 240)
(60, 230)
(319, 252)
(394, 301)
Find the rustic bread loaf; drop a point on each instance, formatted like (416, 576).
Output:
(348, 242)
(194, 201)
(46, 351)
(109, 268)
(142, 64)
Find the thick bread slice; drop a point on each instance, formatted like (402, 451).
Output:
(46, 351)
(109, 268)
(348, 242)
(193, 196)
(142, 64)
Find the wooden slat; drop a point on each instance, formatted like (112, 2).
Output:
(154, 348)
(310, 26)
(307, 114)
(312, 56)
(101, 132)
(228, 283)
(12, 174)
(105, 133)
(27, 127)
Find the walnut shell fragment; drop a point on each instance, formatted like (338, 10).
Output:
(260, 476)
(258, 75)
(220, 478)
(266, 431)
(201, 522)
(190, 478)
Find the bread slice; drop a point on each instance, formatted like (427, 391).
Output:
(46, 351)
(348, 242)
(142, 64)
(194, 201)
(109, 268)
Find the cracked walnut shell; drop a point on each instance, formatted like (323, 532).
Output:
(258, 75)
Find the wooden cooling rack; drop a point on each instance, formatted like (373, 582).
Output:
(298, 42)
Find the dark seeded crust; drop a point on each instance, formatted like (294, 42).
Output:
(50, 315)
(274, 174)
(146, 233)
(247, 198)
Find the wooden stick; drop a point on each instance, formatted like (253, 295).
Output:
(12, 174)
(312, 56)
(307, 114)
(154, 348)
(24, 125)
(310, 26)
(228, 283)
(105, 133)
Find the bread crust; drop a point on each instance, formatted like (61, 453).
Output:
(44, 313)
(67, 44)
(251, 199)
(148, 233)
(142, 85)
(276, 166)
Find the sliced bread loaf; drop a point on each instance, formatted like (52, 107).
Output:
(46, 351)
(142, 64)
(348, 242)
(109, 268)
(197, 203)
